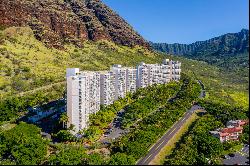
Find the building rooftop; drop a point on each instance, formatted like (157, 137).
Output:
(231, 130)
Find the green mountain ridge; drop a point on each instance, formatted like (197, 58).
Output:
(224, 45)
(229, 51)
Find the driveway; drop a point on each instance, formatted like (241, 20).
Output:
(240, 158)
(116, 130)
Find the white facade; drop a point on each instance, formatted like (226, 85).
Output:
(176, 70)
(130, 80)
(166, 68)
(86, 91)
(149, 74)
(83, 98)
(120, 81)
(142, 76)
(107, 88)
(72, 72)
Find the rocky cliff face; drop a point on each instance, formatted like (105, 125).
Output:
(228, 44)
(58, 21)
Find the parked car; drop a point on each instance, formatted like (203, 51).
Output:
(106, 133)
(225, 157)
(106, 143)
(110, 130)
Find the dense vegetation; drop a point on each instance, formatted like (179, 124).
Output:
(22, 145)
(32, 74)
(100, 121)
(198, 147)
(137, 142)
(14, 106)
(73, 155)
(223, 111)
(148, 101)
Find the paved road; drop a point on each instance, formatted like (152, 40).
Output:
(240, 158)
(156, 148)
(245, 149)
(203, 92)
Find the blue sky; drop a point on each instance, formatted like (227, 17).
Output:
(182, 21)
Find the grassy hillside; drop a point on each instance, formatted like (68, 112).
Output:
(228, 86)
(29, 68)
(26, 63)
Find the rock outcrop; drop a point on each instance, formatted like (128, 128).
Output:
(58, 21)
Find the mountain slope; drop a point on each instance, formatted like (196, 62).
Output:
(72, 21)
(26, 63)
(36, 73)
(228, 44)
(229, 50)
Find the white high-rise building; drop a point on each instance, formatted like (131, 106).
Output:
(130, 80)
(149, 74)
(83, 97)
(120, 81)
(86, 91)
(166, 68)
(143, 75)
(176, 70)
(107, 88)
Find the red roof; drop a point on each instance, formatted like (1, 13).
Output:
(224, 134)
(231, 130)
(243, 122)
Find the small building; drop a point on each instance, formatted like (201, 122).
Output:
(237, 123)
(226, 134)
(232, 132)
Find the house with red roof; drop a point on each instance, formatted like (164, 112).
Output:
(232, 132)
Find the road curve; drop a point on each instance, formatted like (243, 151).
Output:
(156, 148)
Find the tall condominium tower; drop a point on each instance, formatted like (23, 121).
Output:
(166, 71)
(83, 97)
(142, 75)
(107, 88)
(176, 70)
(120, 81)
(130, 80)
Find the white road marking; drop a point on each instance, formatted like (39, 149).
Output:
(148, 157)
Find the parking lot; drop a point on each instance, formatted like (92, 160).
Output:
(239, 158)
(115, 130)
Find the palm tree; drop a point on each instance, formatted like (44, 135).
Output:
(63, 119)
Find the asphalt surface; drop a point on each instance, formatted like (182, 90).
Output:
(240, 158)
(156, 148)
(116, 129)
